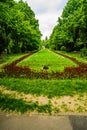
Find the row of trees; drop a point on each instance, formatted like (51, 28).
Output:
(71, 31)
(19, 30)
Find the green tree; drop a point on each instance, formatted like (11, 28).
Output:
(71, 30)
(18, 27)
(4, 23)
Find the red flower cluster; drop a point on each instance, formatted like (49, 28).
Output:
(16, 71)
(70, 72)
(75, 71)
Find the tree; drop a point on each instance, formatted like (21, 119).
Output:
(18, 27)
(71, 30)
(4, 29)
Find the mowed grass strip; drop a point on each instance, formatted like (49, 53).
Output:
(49, 88)
(53, 61)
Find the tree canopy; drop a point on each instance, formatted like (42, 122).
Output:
(19, 29)
(70, 33)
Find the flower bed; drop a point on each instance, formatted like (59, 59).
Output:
(69, 72)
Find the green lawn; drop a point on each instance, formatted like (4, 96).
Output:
(76, 55)
(10, 101)
(54, 61)
(7, 59)
(49, 88)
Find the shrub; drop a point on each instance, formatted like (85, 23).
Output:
(53, 47)
(63, 48)
(84, 51)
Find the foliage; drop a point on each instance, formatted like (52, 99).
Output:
(84, 51)
(19, 30)
(63, 48)
(71, 30)
(45, 43)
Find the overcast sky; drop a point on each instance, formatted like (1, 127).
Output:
(47, 12)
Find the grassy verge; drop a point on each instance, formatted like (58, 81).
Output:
(8, 103)
(44, 96)
(47, 58)
(49, 88)
(7, 59)
(76, 55)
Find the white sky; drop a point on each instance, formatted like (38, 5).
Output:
(47, 12)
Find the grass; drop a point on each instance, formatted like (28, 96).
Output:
(41, 87)
(17, 102)
(49, 88)
(7, 59)
(8, 103)
(48, 58)
(76, 55)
